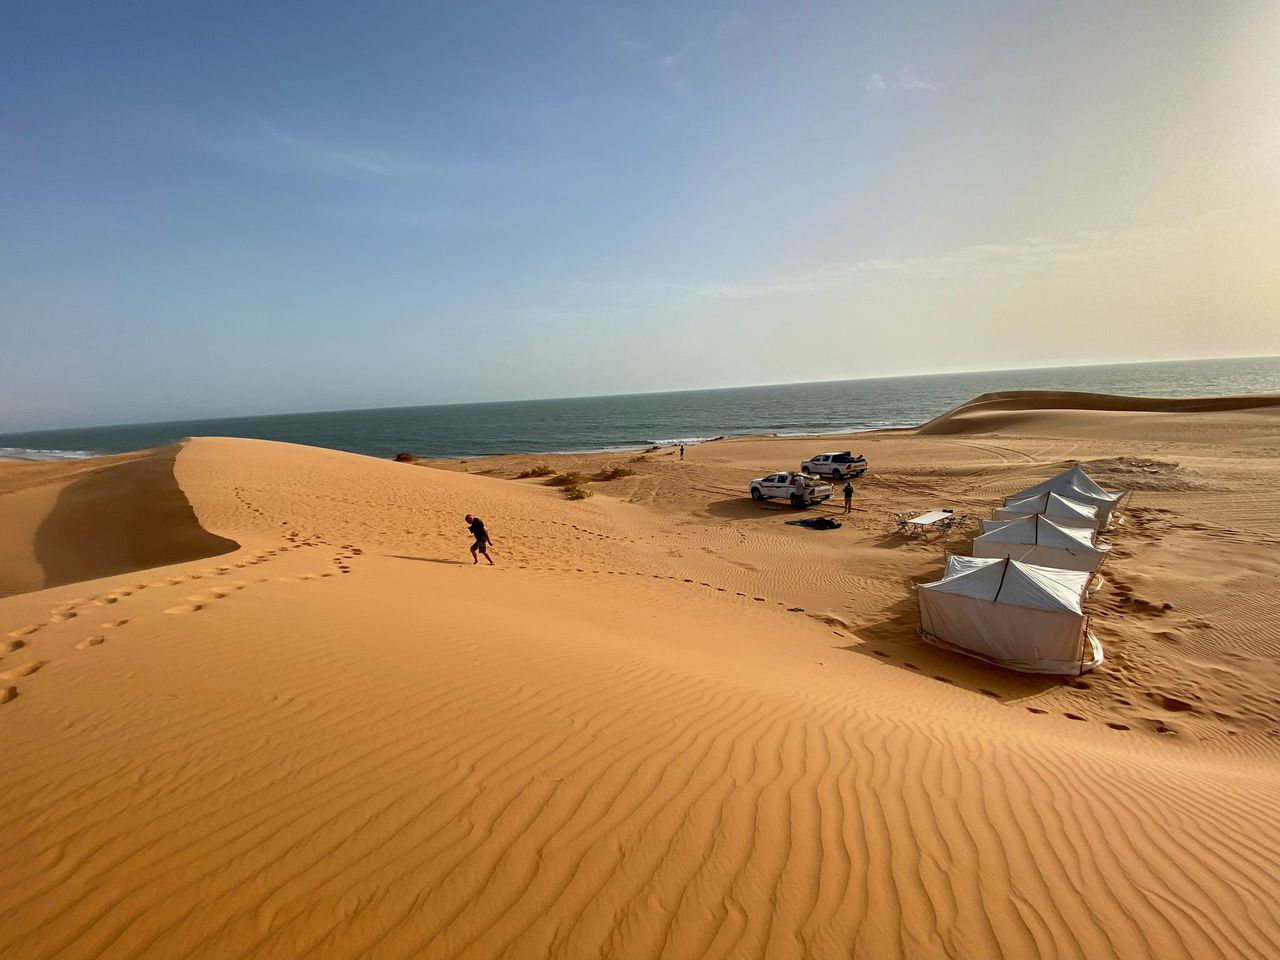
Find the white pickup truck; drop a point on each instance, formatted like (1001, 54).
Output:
(800, 488)
(837, 466)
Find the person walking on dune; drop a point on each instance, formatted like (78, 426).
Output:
(481, 546)
(848, 496)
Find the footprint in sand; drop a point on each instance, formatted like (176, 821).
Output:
(7, 694)
(24, 631)
(207, 597)
(185, 608)
(113, 623)
(63, 617)
(88, 642)
(25, 670)
(11, 645)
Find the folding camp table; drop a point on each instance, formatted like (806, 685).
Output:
(927, 521)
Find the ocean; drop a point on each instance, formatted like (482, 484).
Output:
(641, 420)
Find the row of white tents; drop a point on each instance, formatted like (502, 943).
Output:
(1018, 601)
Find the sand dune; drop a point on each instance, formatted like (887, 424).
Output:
(667, 724)
(1064, 413)
(76, 520)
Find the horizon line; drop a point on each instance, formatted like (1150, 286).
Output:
(641, 393)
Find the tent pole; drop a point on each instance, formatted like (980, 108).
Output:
(1005, 570)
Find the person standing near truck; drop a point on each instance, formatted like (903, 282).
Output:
(848, 496)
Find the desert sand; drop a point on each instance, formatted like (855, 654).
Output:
(255, 701)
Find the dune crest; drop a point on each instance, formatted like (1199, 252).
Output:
(1021, 411)
(76, 520)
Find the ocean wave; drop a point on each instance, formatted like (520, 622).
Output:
(30, 453)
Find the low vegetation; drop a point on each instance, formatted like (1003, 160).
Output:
(539, 470)
(576, 492)
(570, 479)
(613, 473)
(404, 456)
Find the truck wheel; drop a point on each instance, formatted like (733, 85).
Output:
(756, 494)
(837, 476)
(797, 501)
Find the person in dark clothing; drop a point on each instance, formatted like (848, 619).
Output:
(848, 496)
(682, 451)
(481, 546)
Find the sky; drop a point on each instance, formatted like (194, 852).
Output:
(219, 209)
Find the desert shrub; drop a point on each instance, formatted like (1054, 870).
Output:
(640, 459)
(539, 470)
(570, 479)
(614, 473)
(404, 456)
(576, 492)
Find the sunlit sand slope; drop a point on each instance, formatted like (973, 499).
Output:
(343, 740)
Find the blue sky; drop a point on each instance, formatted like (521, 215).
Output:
(219, 209)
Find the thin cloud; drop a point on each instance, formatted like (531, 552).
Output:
(265, 145)
(909, 79)
(873, 86)
(982, 261)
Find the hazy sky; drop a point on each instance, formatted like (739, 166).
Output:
(226, 208)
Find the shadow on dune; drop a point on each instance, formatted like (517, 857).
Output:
(126, 516)
(397, 556)
(893, 640)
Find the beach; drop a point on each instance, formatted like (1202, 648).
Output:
(258, 702)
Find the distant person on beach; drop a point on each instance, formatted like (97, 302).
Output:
(476, 526)
(848, 496)
(682, 451)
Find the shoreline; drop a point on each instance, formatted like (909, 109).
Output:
(65, 456)
(633, 422)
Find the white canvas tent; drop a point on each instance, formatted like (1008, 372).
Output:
(1037, 539)
(1017, 615)
(1074, 484)
(1064, 511)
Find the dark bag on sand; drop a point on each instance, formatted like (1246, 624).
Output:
(817, 523)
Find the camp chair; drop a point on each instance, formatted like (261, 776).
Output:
(900, 519)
